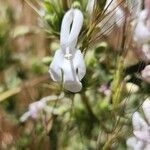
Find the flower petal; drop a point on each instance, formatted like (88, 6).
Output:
(73, 86)
(134, 144)
(142, 135)
(25, 116)
(70, 78)
(65, 28)
(70, 29)
(35, 108)
(138, 122)
(79, 64)
(146, 109)
(140, 145)
(55, 67)
(135, 7)
(147, 147)
(131, 142)
(142, 31)
(76, 27)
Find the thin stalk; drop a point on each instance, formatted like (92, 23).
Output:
(108, 144)
(65, 4)
(112, 138)
(117, 84)
(87, 37)
(33, 7)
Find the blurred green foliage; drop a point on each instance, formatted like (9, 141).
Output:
(6, 23)
(82, 121)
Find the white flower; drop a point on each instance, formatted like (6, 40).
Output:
(68, 64)
(142, 29)
(141, 129)
(114, 16)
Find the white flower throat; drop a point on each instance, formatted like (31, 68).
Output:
(68, 54)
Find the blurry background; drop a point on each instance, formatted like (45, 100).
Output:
(23, 74)
(79, 121)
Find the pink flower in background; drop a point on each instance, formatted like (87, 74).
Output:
(33, 111)
(36, 108)
(105, 89)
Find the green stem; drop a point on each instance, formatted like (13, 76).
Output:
(108, 144)
(117, 84)
(32, 6)
(87, 37)
(65, 4)
(112, 138)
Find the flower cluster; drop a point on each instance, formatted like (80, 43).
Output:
(141, 129)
